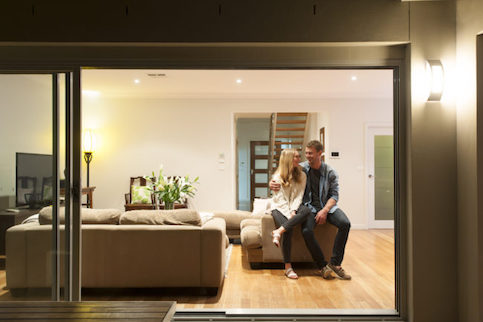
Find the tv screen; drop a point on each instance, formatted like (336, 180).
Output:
(33, 182)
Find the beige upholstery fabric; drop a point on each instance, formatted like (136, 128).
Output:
(233, 219)
(123, 255)
(251, 237)
(88, 216)
(325, 235)
(257, 241)
(250, 222)
(161, 217)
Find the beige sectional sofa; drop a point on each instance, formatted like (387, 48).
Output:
(256, 239)
(144, 249)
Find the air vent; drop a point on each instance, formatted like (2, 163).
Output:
(156, 75)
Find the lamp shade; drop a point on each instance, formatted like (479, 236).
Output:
(88, 141)
(435, 79)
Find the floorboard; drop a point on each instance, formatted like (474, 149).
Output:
(369, 259)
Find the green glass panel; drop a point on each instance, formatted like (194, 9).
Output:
(384, 177)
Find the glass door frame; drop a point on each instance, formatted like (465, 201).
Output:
(72, 240)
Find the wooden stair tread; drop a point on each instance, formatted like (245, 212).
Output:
(291, 121)
(292, 114)
(287, 129)
(283, 136)
(289, 143)
(280, 149)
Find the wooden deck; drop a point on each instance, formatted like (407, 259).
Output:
(80, 311)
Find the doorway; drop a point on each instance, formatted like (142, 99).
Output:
(380, 176)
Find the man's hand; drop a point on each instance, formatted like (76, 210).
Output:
(321, 217)
(274, 185)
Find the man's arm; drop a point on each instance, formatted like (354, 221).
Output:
(321, 217)
(274, 185)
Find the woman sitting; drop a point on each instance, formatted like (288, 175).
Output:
(287, 208)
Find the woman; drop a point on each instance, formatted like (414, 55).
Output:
(287, 208)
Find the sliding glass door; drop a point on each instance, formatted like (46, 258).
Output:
(37, 194)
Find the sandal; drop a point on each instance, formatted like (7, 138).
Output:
(290, 273)
(276, 238)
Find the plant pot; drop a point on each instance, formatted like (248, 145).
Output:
(168, 205)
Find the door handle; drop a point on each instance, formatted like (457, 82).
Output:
(251, 171)
(370, 176)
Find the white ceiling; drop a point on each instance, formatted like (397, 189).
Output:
(296, 84)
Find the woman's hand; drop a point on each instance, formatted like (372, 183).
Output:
(292, 214)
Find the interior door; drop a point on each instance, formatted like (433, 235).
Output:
(380, 177)
(258, 170)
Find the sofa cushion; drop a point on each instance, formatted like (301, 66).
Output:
(88, 216)
(233, 218)
(251, 222)
(262, 205)
(161, 217)
(251, 237)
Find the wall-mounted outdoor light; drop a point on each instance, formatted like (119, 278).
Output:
(435, 79)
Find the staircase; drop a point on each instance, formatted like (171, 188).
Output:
(287, 130)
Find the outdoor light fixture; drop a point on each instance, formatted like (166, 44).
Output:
(435, 79)
(88, 142)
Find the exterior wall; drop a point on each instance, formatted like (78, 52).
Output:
(470, 233)
(433, 147)
(204, 21)
(429, 27)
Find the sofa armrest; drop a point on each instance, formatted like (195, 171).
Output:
(212, 246)
(16, 253)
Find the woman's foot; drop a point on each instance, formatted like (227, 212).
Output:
(290, 273)
(276, 238)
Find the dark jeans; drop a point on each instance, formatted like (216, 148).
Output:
(339, 220)
(280, 220)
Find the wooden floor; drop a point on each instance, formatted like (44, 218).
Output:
(369, 259)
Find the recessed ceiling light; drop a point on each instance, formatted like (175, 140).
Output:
(90, 93)
(137, 81)
(354, 78)
(239, 81)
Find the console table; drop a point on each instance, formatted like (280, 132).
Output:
(89, 191)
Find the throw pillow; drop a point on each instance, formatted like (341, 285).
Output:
(88, 216)
(140, 194)
(161, 217)
(261, 205)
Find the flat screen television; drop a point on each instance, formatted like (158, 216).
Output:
(33, 181)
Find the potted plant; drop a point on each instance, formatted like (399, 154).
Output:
(169, 190)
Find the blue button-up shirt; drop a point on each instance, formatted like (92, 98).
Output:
(328, 186)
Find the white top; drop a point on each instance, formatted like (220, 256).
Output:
(288, 198)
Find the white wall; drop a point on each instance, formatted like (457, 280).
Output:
(135, 136)
(25, 123)
(345, 124)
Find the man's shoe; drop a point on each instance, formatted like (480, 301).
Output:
(339, 272)
(326, 273)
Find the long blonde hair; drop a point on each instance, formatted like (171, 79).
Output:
(287, 172)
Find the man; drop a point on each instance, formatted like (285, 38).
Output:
(321, 196)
